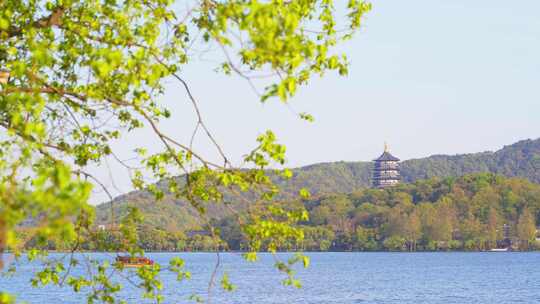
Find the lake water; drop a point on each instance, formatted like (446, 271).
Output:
(336, 278)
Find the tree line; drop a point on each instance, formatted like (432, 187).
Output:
(472, 212)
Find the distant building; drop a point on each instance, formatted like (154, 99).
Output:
(506, 241)
(386, 170)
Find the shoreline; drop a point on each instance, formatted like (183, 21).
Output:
(284, 252)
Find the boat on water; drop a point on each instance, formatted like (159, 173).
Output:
(499, 249)
(134, 262)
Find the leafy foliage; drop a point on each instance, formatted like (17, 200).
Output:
(84, 73)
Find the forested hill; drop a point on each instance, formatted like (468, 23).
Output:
(521, 159)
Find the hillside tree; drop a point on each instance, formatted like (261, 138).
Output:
(526, 228)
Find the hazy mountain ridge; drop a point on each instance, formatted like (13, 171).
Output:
(521, 159)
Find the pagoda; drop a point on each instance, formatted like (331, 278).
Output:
(386, 170)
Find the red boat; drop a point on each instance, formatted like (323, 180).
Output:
(128, 261)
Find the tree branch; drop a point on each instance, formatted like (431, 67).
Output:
(54, 19)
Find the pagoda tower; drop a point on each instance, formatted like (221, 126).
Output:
(386, 170)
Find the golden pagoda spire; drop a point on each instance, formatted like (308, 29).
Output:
(385, 146)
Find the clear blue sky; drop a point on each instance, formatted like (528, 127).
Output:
(429, 77)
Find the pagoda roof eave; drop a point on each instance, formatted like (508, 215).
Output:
(386, 156)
